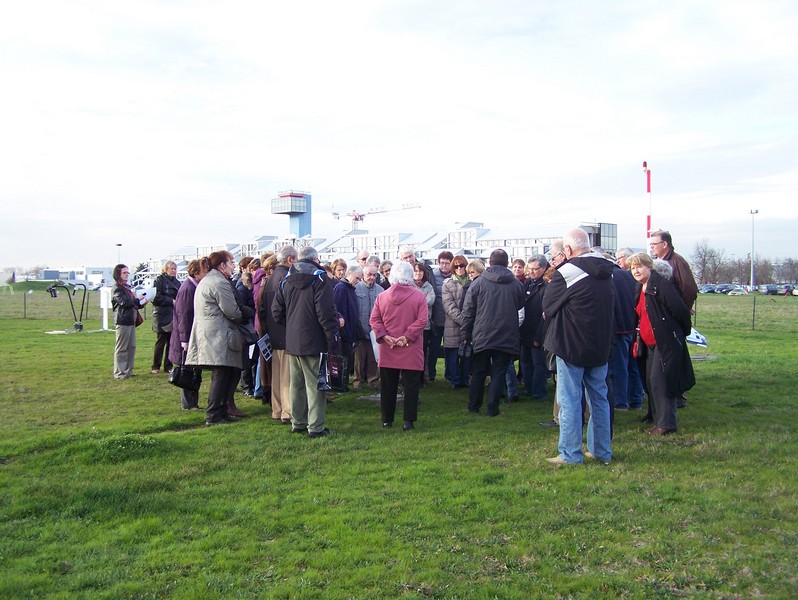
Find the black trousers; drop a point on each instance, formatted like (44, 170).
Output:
(494, 362)
(161, 351)
(222, 389)
(411, 383)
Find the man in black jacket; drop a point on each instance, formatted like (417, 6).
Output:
(578, 308)
(305, 305)
(490, 323)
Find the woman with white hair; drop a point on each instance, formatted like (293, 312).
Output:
(398, 320)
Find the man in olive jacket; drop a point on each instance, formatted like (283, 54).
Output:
(306, 306)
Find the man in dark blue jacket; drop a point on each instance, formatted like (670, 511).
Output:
(490, 323)
(625, 322)
(578, 307)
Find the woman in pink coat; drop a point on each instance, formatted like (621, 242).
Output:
(398, 320)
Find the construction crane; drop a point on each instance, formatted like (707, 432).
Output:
(357, 216)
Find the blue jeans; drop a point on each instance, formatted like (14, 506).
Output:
(257, 390)
(635, 389)
(534, 372)
(619, 369)
(458, 370)
(570, 380)
(511, 381)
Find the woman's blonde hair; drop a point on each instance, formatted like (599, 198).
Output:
(640, 258)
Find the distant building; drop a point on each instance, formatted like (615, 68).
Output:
(471, 239)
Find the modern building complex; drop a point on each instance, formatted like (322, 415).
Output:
(471, 239)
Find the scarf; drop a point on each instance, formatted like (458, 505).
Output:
(461, 280)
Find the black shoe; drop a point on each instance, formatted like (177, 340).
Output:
(285, 421)
(299, 430)
(549, 423)
(388, 424)
(222, 421)
(681, 403)
(512, 399)
(407, 426)
(322, 433)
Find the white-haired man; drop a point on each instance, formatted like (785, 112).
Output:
(578, 307)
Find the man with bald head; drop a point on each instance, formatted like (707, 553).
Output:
(578, 307)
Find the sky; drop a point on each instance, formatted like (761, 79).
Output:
(159, 125)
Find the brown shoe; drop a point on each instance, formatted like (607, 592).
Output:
(232, 409)
(659, 431)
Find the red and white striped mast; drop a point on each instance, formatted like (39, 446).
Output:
(647, 171)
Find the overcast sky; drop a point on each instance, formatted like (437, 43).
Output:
(164, 124)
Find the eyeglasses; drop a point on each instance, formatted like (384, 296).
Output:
(459, 267)
(652, 244)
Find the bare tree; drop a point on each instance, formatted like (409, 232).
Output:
(707, 262)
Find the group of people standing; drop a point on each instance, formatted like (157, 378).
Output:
(598, 323)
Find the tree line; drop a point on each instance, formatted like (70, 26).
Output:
(711, 265)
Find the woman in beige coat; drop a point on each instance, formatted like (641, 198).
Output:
(452, 293)
(216, 342)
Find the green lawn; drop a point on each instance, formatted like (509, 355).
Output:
(109, 490)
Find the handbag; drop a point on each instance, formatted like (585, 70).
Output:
(338, 372)
(248, 333)
(638, 347)
(465, 349)
(139, 318)
(186, 377)
(323, 385)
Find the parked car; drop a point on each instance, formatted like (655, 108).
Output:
(770, 289)
(723, 288)
(706, 288)
(737, 290)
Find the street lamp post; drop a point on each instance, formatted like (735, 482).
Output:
(754, 212)
(118, 253)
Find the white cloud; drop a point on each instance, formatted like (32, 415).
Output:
(165, 124)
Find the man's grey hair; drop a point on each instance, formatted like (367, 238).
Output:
(663, 268)
(286, 252)
(354, 270)
(405, 250)
(540, 259)
(626, 252)
(373, 260)
(309, 253)
(556, 247)
(401, 274)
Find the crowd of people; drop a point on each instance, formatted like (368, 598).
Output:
(608, 330)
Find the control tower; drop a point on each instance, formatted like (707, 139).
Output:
(296, 205)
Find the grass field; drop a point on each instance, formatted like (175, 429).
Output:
(109, 490)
